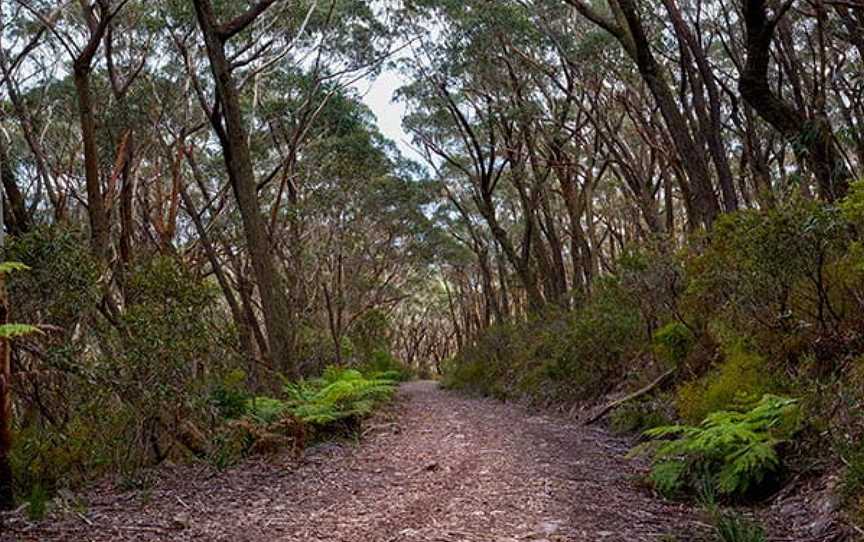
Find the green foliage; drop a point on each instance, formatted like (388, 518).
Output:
(61, 288)
(339, 395)
(265, 409)
(37, 502)
(382, 365)
(97, 437)
(673, 342)
(852, 205)
(558, 356)
(733, 527)
(638, 416)
(11, 331)
(167, 336)
(117, 407)
(586, 356)
(740, 380)
(852, 483)
(371, 334)
(230, 396)
(735, 451)
(9, 267)
(768, 274)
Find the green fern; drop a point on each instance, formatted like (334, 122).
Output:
(265, 409)
(736, 450)
(12, 331)
(9, 267)
(339, 394)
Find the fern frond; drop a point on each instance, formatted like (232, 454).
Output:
(9, 267)
(736, 449)
(338, 395)
(12, 331)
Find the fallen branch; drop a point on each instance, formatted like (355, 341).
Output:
(635, 395)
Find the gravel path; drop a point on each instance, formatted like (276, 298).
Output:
(441, 468)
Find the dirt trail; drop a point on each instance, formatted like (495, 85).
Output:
(444, 468)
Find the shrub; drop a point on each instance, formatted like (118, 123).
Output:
(381, 364)
(673, 342)
(592, 351)
(734, 451)
(639, 416)
(466, 375)
(852, 205)
(767, 273)
(265, 409)
(110, 396)
(61, 287)
(339, 395)
(740, 380)
(230, 396)
(852, 485)
(556, 356)
(653, 275)
(371, 334)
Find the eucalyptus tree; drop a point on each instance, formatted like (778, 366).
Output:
(807, 125)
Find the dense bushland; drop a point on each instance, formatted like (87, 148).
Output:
(109, 390)
(768, 303)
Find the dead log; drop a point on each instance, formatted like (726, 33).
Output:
(635, 395)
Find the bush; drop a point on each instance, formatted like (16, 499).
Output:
(381, 364)
(557, 356)
(230, 396)
(266, 409)
(61, 287)
(111, 394)
(852, 485)
(768, 274)
(587, 357)
(740, 380)
(735, 452)
(673, 342)
(639, 416)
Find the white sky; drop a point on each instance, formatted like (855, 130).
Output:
(378, 95)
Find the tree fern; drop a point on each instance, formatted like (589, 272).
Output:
(736, 450)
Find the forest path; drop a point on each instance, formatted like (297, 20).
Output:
(443, 468)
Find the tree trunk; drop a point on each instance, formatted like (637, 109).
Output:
(96, 211)
(238, 163)
(6, 490)
(814, 133)
(18, 220)
(695, 161)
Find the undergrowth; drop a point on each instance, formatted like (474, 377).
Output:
(735, 452)
(339, 394)
(311, 408)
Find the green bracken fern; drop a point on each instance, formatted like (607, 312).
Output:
(9, 267)
(12, 331)
(735, 450)
(340, 394)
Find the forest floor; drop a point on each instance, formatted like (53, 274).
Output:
(436, 466)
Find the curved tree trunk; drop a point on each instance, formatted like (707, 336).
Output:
(813, 134)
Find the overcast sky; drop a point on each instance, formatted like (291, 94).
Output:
(378, 95)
